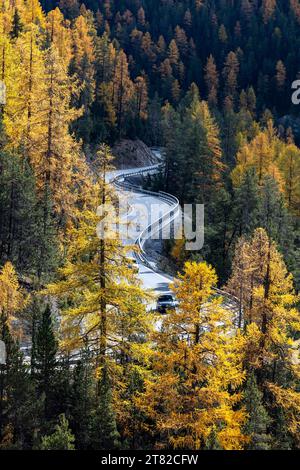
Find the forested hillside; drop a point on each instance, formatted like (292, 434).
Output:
(228, 48)
(87, 366)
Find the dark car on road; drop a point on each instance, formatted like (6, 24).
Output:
(166, 302)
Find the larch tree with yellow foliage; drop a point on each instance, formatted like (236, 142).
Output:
(261, 154)
(38, 111)
(208, 165)
(12, 298)
(61, 166)
(105, 62)
(26, 95)
(123, 90)
(272, 325)
(141, 98)
(271, 157)
(58, 32)
(81, 66)
(241, 280)
(103, 303)
(193, 398)
(289, 164)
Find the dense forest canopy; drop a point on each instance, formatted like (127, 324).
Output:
(89, 366)
(171, 43)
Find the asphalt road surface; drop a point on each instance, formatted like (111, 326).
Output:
(157, 282)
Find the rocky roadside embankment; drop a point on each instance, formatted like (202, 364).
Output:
(133, 154)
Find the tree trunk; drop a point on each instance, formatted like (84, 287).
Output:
(103, 318)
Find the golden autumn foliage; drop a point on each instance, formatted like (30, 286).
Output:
(195, 390)
(59, 33)
(12, 298)
(102, 302)
(261, 153)
(198, 377)
(289, 165)
(104, 299)
(31, 12)
(271, 321)
(211, 152)
(261, 281)
(26, 93)
(38, 112)
(270, 156)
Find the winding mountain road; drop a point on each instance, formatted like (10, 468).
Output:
(164, 209)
